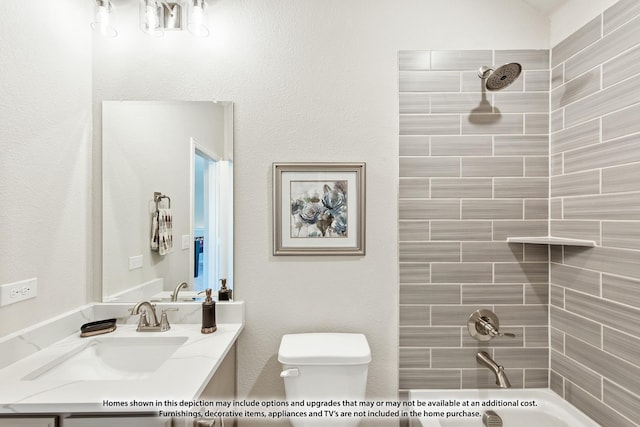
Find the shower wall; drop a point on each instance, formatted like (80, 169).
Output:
(595, 194)
(473, 171)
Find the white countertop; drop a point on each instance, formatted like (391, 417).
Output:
(182, 376)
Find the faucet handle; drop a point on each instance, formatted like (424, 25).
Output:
(483, 325)
(164, 320)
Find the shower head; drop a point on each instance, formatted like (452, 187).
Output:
(501, 77)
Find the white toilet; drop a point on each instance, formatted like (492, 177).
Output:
(328, 367)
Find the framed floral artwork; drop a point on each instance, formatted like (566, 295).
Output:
(318, 208)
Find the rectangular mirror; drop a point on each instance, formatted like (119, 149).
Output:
(167, 188)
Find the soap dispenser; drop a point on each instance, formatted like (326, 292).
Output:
(224, 294)
(208, 314)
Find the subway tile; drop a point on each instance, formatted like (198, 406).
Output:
(461, 272)
(623, 401)
(461, 145)
(429, 251)
(484, 378)
(413, 188)
(594, 408)
(536, 124)
(522, 315)
(617, 316)
(492, 166)
(622, 234)
(414, 358)
(443, 315)
(557, 76)
(574, 325)
(504, 229)
(624, 346)
(621, 67)
(491, 252)
(492, 294)
(454, 357)
(556, 164)
(429, 166)
(576, 184)
(454, 188)
(616, 97)
(578, 40)
(518, 341)
(429, 378)
(413, 145)
(414, 315)
(556, 296)
(586, 230)
(536, 253)
(461, 103)
(555, 209)
(536, 166)
(536, 293)
(621, 123)
(413, 230)
(530, 59)
(460, 59)
(492, 209)
(530, 272)
(621, 179)
(621, 289)
(578, 279)
(536, 209)
(527, 102)
(461, 230)
(414, 60)
(536, 378)
(426, 124)
(521, 188)
(611, 153)
(536, 81)
(556, 339)
(429, 81)
(536, 358)
(536, 336)
(576, 373)
(429, 209)
(556, 383)
(579, 136)
(604, 49)
(492, 124)
(429, 294)
(603, 207)
(429, 336)
(621, 262)
(414, 103)
(611, 367)
(578, 88)
(557, 121)
(618, 14)
(414, 273)
(516, 145)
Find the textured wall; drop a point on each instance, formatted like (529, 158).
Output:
(595, 194)
(473, 171)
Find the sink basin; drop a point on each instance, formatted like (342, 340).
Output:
(165, 296)
(110, 358)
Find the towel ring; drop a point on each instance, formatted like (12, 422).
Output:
(157, 197)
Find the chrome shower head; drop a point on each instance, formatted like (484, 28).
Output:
(501, 77)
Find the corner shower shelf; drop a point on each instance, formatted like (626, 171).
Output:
(550, 240)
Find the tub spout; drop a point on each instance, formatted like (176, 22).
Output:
(502, 381)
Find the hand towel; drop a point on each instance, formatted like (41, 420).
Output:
(162, 231)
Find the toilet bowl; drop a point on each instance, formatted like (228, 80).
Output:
(327, 368)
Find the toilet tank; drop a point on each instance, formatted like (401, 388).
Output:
(324, 365)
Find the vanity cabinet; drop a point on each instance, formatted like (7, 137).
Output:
(28, 422)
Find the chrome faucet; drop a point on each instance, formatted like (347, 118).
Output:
(144, 325)
(483, 358)
(174, 295)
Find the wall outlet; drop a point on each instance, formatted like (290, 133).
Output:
(135, 262)
(186, 241)
(18, 291)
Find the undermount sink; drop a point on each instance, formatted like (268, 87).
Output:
(110, 358)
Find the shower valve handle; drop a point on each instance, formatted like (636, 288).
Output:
(483, 325)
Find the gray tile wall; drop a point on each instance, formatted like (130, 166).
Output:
(473, 171)
(595, 194)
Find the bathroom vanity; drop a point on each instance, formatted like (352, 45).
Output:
(51, 376)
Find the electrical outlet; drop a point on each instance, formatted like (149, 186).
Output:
(18, 291)
(186, 241)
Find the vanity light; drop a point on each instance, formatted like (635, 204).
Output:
(151, 17)
(196, 24)
(102, 22)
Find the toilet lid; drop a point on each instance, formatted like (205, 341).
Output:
(324, 349)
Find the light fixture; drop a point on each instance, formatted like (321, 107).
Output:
(196, 25)
(151, 17)
(102, 22)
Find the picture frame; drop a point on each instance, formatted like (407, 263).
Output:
(319, 208)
